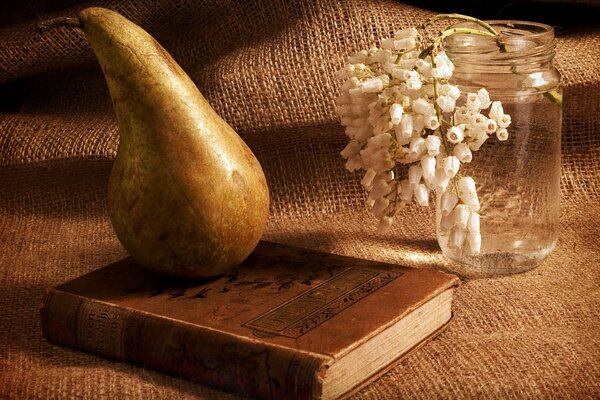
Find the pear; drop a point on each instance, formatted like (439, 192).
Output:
(186, 196)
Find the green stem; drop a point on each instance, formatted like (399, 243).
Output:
(469, 31)
(459, 17)
(555, 97)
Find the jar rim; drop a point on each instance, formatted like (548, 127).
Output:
(516, 40)
(544, 29)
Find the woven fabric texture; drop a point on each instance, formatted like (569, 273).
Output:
(268, 68)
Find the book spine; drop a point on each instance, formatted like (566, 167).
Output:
(211, 357)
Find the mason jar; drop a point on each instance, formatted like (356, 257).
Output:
(518, 180)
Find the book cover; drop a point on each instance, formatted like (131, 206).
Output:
(287, 323)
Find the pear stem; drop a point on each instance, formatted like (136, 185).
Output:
(59, 21)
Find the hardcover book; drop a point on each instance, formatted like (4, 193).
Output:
(288, 323)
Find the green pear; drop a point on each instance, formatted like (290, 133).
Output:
(186, 196)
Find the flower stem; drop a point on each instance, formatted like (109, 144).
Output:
(460, 17)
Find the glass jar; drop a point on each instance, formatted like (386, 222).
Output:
(518, 180)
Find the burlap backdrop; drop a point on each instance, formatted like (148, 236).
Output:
(268, 68)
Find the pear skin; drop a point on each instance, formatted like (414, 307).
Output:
(186, 196)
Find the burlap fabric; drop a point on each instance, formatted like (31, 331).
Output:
(268, 68)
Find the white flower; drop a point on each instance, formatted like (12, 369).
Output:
(455, 134)
(473, 204)
(484, 98)
(396, 111)
(463, 152)
(480, 137)
(382, 140)
(406, 125)
(442, 72)
(446, 103)
(351, 149)
(414, 84)
(389, 103)
(347, 120)
(368, 178)
(423, 67)
(496, 110)
(502, 134)
(432, 143)
(466, 188)
(450, 90)
(431, 122)
(404, 74)
(422, 195)
(373, 85)
(478, 120)
(414, 174)
(418, 124)
(375, 156)
(405, 33)
(491, 126)
(473, 102)
(381, 56)
(417, 147)
(405, 43)
(353, 163)
(473, 223)
(456, 238)
(504, 121)
(461, 115)
(379, 207)
(360, 57)
(474, 242)
(461, 215)
(428, 168)
(408, 63)
(388, 44)
(446, 223)
(450, 164)
(383, 165)
(385, 223)
(441, 180)
(423, 107)
(382, 126)
(342, 100)
(448, 202)
(406, 191)
(442, 59)
(361, 133)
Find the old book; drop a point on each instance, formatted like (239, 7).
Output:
(288, 323)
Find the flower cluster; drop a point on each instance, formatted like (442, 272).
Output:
(398, 108)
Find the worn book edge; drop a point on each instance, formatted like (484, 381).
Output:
(408, 330)
(310, 368)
